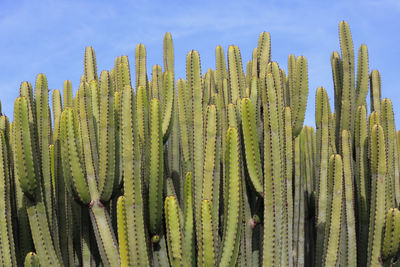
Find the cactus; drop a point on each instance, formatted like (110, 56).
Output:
(232, 230)
(322, 116)
(174, 232)
(156, 170)
(348, 239)
(334, 222)
(31, 260)
(362, 182)
(6, 237)
(391, 237)
(215, 169)
(135, 221)
(251, 144)
(378, 195)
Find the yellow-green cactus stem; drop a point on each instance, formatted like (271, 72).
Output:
(26, 169)
(156, 82)
(67, 94)
(122, 232)
(31, 260)
(184, 121)
(272, 177)
(298, 206)
(122, 73)
(251, 144)
(348, 92)
(378, 192)
(44, 137)
(106, 133)
(133, 187)
(362, 85)
(63, 203)
(334, 224)
(71, 157)
(7, 247)
(156, 170)
(299, 95)
(322, 114)
(237, 83)
(348, 242)
(233, 214)
(220, 70)
(174, 232)
(24, 241)
(188, 236)
(392, 158)
(375, 93)
(361, 182)
(263, 55)
(95, 96)
(140, 66)
(168, 52)
(90, 65)
(206, 253)
(337, 75)
(391, 237)
(210, 162)
(196, 132)
(167, 103)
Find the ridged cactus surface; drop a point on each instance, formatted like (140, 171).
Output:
(212, 169)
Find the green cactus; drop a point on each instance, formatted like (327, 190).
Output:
(378, 195)
(156, 170)
(31, 260)
(348, 239)
(188, 221)
(348, 100)
(206, 254)
(272, 178)
(334, 221)
(219, 171)
(135, 221)
(7, 247)
(250, 137)
(28, 174)
(298, 94)
(174, 232)
(375, 93)
(392, 158)
(90, 65)
(232, 228)
(362, 182)
(391, 237)
(322, 116)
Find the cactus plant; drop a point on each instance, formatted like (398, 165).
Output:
(216, 169)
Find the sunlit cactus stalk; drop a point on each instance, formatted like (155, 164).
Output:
(378, 195)
(391, 237)
(334, 221)
(8, 253)
(28, 172)
(31, 260)
(232, 228)
(215, 169)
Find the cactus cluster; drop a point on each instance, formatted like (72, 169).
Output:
(213, 170)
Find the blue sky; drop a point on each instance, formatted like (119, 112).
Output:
(50, 37)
